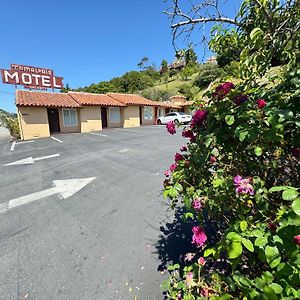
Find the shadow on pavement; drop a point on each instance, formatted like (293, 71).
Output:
(174, 241)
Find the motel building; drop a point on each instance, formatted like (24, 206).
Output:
(41, 114)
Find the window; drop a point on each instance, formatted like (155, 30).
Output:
(148, 113)
(160, 112)
(114, 115)
(70, 117)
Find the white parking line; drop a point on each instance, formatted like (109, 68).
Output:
(126, 129)
(94, 133)
(53, 138)
(12, 148)
(25, 142)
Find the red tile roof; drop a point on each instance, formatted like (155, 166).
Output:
(167, 104)
(94, 99)
(187, 103)
(131, 99)
(44, 99)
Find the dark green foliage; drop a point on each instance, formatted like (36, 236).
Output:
(164, 66)
(190, 56)
(157, 95)
(186, 90)
(207, 74)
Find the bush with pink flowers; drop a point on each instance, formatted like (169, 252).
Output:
(242, 181)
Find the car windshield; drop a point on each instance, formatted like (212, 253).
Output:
(181, 113)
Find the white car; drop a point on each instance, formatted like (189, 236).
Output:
(176, 117)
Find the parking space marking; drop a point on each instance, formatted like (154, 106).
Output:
(53, 138)
(12, 148)
(30, 160)
(123, 150)
(25, 142)
(100, 134)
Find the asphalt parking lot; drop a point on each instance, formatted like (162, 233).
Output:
(80, 214)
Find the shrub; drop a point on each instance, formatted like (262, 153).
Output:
(207, 74)
(157, 95)
(186, 90)
(12, 125)
(238, 180)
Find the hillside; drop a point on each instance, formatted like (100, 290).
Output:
(190, 81)
(4, 113)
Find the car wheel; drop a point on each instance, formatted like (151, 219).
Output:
(176, 122)
(158, 122)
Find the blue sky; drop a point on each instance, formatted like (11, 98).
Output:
(83, 41)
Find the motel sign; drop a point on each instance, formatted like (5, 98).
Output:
(31, 77)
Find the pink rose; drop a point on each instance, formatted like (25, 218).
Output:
(188, 133)
(167, 173)
(222, 90)
(198, 118)
(297, 239)
(197, 205)
(243, 185)
(204, 293)
(171, 127)
(183, 149)
(199, 236)
(261, 103)
(201, 261)
(178, 157)
(212, 159)
(173, 167)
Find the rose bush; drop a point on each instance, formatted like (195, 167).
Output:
(242, 182)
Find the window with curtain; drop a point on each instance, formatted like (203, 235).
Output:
(70, 117)
(148, 113)
(114, 115)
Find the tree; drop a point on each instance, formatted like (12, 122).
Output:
(268, 29)
(190, 56)
(143, 61)
(163, 66)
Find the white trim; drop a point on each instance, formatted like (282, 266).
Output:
(69, 109)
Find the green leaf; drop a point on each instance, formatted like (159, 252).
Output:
(276, 287)
(258, 151)
(235, 250)
(229, 119)
(188, 215)
(267, 277)
(217, 182)
(165, 193)
(290, 194)
(277, 239)
(209, 251)
(243, 135)
(278, 189)
(272, 256)
(207, 141)
(269, 293)
(296, 206)
(248, 244)
(233, 237)
(256, 33)
(173, 192)
(215, 152)
(243, 225)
